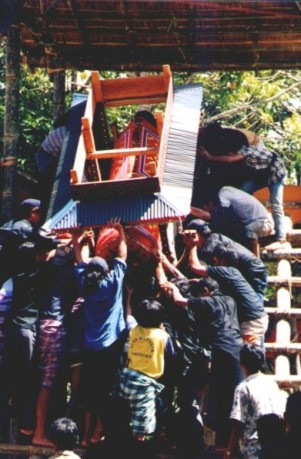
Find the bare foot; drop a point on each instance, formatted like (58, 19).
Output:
(42, 441)
(94, 440)
(26, 431)
(85, 443)
(277, 245)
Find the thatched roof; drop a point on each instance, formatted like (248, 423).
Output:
(142, 35)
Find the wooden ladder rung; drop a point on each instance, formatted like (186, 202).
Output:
(287, 348)
(280, 253)
(280, 280)
(286, 381)
(284, 313)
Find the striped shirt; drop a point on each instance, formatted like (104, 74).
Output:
(54, 141)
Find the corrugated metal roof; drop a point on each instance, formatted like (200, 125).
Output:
(144, 209)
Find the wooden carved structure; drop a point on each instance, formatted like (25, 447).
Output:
(88, 181)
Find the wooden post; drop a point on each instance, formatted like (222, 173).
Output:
(11, 123)
(58, 89)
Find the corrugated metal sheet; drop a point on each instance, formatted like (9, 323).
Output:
(146, 209)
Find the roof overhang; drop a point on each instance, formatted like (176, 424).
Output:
(140, 35)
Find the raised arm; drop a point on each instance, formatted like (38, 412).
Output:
(193, 260)
(231, 158)
(200, 213)
(81, 246)
(122, 247)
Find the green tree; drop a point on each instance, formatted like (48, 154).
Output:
(267, 102)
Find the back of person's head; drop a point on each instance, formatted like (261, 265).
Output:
(234, 140)
(96, 270)
(252, 357)
(210, 196)
(206, 285)
(213, 139)
(28, 206)
(147, 115)
(64, 434)
(293, 412)
(149, 313)
(228, 254)
(183, 285)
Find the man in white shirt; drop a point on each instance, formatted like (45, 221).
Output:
(254, 217)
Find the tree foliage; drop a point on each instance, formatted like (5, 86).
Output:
(267, 102)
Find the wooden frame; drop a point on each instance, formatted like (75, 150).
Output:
(114, 93)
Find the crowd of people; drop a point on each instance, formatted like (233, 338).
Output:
(125, 351)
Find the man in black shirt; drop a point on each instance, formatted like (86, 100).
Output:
(214, 319)
(20, 330)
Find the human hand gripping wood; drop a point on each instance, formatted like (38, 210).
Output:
(190, 238)
(203, 153)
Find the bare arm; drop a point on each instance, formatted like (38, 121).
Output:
(231, 158)
(200, 213)
(81, 246)
(122, 247)
(195, 265)
(167, 265)
(233, 446)
(171, 291)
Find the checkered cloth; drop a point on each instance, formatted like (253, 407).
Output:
(52, 347)
(259, 158)
(140, 391)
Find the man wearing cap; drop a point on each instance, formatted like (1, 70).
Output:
(218, 249)
(15, 232)
(18, 373)
(29, 219)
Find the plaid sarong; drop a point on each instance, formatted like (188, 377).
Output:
(140, 391)
(52, 348)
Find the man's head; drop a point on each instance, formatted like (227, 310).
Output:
(149, 313)
(30, 210)
(64, 434)
(99, 265)
(201, 228)
(204, 287)
(252, 358)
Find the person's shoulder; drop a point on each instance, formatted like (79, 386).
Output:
(119, 262)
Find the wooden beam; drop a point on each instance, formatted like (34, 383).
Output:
(96, 87)
(159, 122)
(132, 91)
(278, 280)
(88, 136)
(120, 152)
(284, 313)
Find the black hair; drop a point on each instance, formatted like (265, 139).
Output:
(293, 411)
(206, 282)
(183, 285)
(64, 434)
(252, 357)
(220, 141)
(229, 254)
(148, 116)
(210, 195)
(234, 139)
(149, 313)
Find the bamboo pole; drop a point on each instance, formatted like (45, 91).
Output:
(11, 123)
